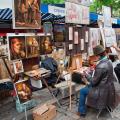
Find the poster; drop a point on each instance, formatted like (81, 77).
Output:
(26, 14)
(94, 37)
(23, 91)
(18, 66)
(107, 16)
(16, 45)
(59, 32)
(110, 37)
(72, 15)
(33, 48)
(46, 46)
(76, 37)
(70, 33)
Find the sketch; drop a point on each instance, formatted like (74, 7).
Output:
(16, 47)
(33, 49)
(18, 66)
(26, 14)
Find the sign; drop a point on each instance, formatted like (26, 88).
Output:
(72, 15)
(107, 16)
(56, 10)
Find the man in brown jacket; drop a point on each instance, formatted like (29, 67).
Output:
(100, 93)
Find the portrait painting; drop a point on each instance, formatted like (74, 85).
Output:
(16, 45)
(18, 66)
(26, 14)
(23, 91)
(46, 46)
(59, 32)
(32, 43)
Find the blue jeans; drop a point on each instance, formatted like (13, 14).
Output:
(83, 95)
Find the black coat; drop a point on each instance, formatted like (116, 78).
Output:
(102, 93)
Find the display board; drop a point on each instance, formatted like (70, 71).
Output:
(26, 14)
(72, 16)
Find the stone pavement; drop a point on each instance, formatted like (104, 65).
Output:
(8, 111)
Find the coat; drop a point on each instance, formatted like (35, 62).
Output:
(102, 93)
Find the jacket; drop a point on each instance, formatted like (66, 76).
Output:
(102, 93)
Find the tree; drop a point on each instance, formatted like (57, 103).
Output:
(114, 4)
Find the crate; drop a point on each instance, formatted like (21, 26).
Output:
(44, 112)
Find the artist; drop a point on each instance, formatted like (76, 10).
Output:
(100, 92)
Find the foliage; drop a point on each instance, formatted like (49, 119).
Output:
(114, 4)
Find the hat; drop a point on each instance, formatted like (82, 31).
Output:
(98, 50)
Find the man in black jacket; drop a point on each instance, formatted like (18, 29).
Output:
(100, 92)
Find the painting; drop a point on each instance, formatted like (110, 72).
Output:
(70, 46)
(16, 45)
(33, 49)
(47, 27)
(26, 14)
(59, 32)
(46, 46)
(18, 66)
(23, 91)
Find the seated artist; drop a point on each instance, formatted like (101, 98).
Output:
(100, 93)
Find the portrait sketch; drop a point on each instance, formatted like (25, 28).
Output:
(16, 46)
(18, 66)
(26, 14)
(32, 43)
(46, 46)
(23, 91)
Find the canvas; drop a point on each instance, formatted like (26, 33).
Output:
(33, 48)
(26, 14)
(59, 32)
(46, 45)
(16, 45)
(23, 91)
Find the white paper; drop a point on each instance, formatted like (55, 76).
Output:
(82, 44)
(36, 83)
(76, 37)
(70, 46)
(86, 36)
(70, 33)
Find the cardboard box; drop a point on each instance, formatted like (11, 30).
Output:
(45, 112)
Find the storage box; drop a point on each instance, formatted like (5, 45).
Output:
(64, 88)
(45, 112)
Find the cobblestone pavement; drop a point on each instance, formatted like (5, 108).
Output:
(8, 111)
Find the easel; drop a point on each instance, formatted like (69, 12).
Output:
(3, 57)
